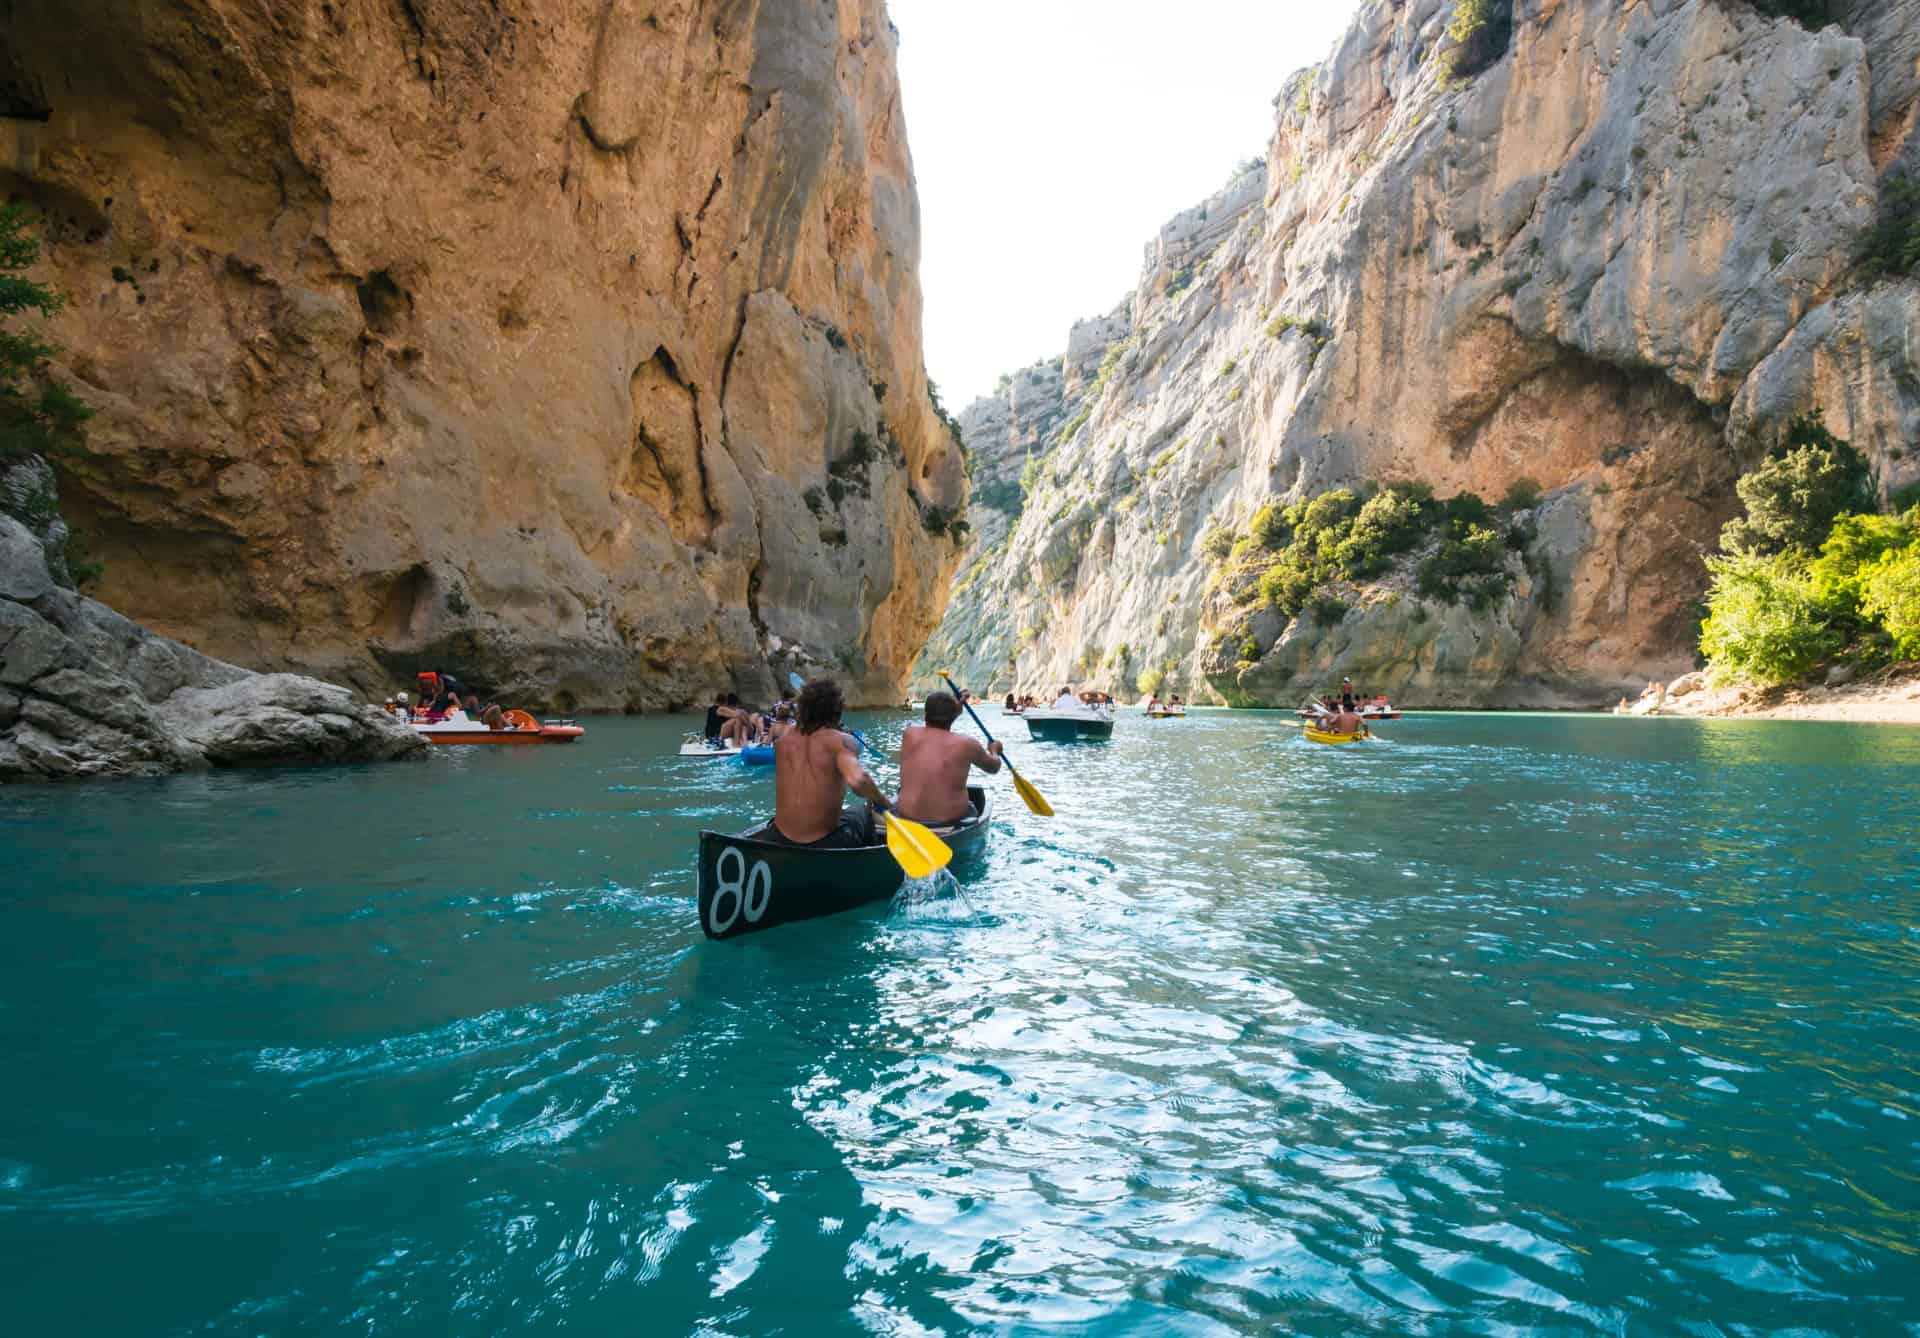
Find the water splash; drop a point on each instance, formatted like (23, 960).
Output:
(936, 899)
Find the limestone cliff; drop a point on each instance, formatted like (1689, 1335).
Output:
(571, 345)
(1616, 261)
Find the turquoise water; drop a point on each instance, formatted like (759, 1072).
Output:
(1504, 1025)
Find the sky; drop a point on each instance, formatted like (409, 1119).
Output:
(1052, 138)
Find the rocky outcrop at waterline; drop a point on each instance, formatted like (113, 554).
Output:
(573, 347)
(1613, 255)
(85, 692)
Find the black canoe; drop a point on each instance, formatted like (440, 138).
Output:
(748, 884)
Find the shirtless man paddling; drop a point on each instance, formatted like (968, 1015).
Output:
(814, 765)
(935, 763)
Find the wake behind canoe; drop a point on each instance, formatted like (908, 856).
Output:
(747, 883)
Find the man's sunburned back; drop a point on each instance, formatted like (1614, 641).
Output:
(808, 787)
(934, 764)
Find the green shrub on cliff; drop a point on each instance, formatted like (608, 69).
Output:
(1479, 32)
(1269, 528)
(38, 414)
(1289, 583)
(1471, 565)
(1388, 524)
(1217, 543)
(1032, 473)
(1812, 15)
(1338, 536)
(1893, 247)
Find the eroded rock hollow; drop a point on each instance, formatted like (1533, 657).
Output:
(570, 345)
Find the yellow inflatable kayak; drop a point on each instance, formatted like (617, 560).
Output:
(1321, 736)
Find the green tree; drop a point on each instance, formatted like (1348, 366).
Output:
(1794, 497)
(1764, 621)
(38, 414)
(1891, 596)
(1852, 551)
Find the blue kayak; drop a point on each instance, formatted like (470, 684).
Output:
(760, 755)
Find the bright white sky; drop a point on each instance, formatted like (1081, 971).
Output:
(1052, 138)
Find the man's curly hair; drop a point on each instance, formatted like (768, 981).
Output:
(821, 705)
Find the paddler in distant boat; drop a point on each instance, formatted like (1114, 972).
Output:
(782, 718)
(935, 763)
(1348, 721)
(813, 768)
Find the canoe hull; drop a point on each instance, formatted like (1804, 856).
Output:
(1068, 729)
(1320, 736)
(747, 884)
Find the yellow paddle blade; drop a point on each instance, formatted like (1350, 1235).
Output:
(918, 851)
(1036, 802)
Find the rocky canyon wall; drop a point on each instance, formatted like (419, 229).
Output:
(1616, 262)
(569, 345)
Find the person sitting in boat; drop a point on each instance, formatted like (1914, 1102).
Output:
(736, 722)
(1010, 706)
(783, 721)
(1066, 701)
(935, 763)
(813, 768)
(1175, 704)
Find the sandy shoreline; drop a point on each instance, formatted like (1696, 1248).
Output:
(1891, 697)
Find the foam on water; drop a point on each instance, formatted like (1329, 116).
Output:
(937, 899)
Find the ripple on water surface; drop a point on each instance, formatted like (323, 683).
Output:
(1503, 1024)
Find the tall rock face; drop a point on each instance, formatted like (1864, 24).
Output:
(570, 345)
(1616, 263)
